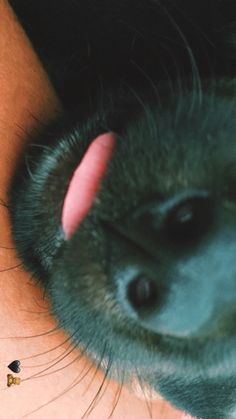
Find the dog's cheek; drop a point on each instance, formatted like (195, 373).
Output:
(80, 274)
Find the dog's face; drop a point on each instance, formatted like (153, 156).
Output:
(146, 282)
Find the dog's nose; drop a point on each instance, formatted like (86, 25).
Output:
(142, 292)
(166, 275)
(171, 310)
(182, 217)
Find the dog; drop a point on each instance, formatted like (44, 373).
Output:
(124, 207)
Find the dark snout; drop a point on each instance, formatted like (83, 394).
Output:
(173, 264)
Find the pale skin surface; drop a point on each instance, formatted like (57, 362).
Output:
(27, 98)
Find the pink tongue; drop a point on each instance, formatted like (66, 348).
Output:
(85, 182)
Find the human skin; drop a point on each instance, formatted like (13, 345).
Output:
(50, 366)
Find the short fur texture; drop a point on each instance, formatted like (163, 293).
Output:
(161, 75)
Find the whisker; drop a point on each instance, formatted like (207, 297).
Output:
(3, 203)
(117, 398)
(147, 402)
(44, 353)
(51, 331)
(11, 268)
(29, 169)
(196, 76)
(54, 348)
(7, 248)
(148, 78)
(42, 146)
(61, 358)
(96, 398)
(74, 383)
(149, 115)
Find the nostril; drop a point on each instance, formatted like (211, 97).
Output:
(142, 292)
(184, 214)
(183, 218)
(189, 219)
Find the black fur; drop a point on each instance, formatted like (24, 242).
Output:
(161, 75)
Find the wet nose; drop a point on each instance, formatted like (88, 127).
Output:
(184, 216)
(144, 291)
